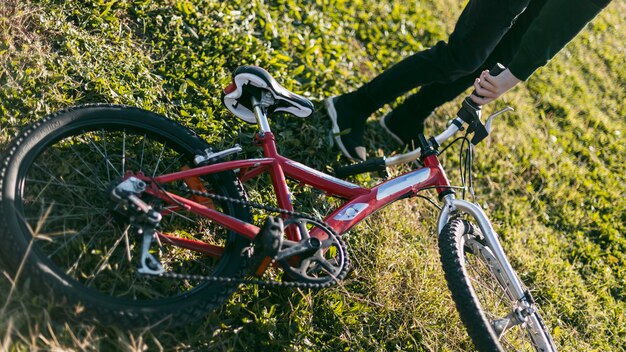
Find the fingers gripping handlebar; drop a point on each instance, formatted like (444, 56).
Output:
(495, 70)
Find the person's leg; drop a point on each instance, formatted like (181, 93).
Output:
(480, 27)
(406, 121)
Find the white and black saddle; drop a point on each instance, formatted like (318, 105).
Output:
(254, 82)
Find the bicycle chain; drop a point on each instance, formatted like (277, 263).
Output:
(261, 282)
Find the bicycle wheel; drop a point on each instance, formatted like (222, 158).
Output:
(495, 320)
(58, 218)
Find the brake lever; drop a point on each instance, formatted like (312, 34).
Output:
(489, 121)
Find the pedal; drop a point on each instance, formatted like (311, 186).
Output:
(267, 244)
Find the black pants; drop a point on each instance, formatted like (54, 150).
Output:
(487, 32)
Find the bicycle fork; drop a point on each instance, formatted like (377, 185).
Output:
(518, 315)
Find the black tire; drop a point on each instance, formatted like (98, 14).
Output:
(478, 286)
(57, 217)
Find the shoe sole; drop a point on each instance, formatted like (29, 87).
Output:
(393, 135)
(332, 114)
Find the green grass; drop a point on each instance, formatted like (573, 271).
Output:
(551, 175)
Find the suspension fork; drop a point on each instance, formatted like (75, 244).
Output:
(451, 205)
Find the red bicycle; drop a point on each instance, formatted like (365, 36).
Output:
(136, 219)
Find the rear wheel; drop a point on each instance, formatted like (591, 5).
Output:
(494, 318)
(57, 213)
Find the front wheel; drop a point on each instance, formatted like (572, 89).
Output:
(495, 318)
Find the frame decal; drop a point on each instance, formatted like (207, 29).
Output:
(396, 185)
(350, 212)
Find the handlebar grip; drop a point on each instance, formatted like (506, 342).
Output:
(495, 70)
(370, 165)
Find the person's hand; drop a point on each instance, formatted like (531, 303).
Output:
(491, 88)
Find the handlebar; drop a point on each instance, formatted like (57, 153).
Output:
(370, 165)
(469, 113)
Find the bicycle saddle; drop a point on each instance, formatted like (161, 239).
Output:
(252, 81)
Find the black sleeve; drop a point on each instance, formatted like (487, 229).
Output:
(556, 25)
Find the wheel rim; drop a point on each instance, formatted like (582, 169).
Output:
(63, 200)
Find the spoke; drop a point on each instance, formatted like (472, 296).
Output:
(127, 243)
(181, 216)
(507, 344)
(59, 182)
(73, 206)
(159, 160)
(36, 198)
(56, 179)
(124, 152)
(481, 271)
(72, 269)
(106, 158)
(143, 149)
(485, 289)
(476, 278)
(106, 155)
(173, 163)
(67, 240)
(67, 185)
(503, 303)
(87, 165)
(104, 261)
(51, 218)
(521, 339)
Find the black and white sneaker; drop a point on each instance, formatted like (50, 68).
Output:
(402, 131)
(383, 124)
(349, 139)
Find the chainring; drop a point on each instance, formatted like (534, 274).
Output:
(329, 262)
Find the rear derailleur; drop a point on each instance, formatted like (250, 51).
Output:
(142, 217)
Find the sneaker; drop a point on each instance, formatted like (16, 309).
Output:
(349, 139)
(402, 132)
(383, 124)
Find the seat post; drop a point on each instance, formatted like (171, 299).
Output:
(259, 114)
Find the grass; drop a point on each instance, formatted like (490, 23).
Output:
(551, 175)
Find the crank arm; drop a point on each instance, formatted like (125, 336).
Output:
(307, 245)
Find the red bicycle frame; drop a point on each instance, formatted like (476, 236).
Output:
(359, 203)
